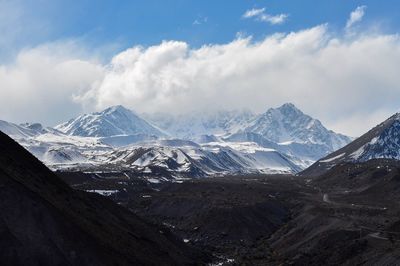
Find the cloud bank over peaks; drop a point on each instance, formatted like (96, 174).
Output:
(325, 75)
(348, 82)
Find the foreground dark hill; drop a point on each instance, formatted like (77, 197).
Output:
(44, 222)
(381, 142)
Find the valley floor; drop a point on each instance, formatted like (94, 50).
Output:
(259, 220)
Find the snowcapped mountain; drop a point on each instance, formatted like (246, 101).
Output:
(165, 158)
(287, 123)
(113, 121)
(383, 141)
(282, 140)
(193, 125)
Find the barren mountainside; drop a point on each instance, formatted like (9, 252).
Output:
(44, 222)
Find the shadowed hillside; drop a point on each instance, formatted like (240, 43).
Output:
(44, 222)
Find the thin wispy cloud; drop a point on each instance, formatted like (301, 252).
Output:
(18, 28)
(200, 20)
(277, 19)
(260, 15)
(253, 12)
(356, 16)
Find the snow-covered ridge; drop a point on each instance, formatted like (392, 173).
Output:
(282, 140)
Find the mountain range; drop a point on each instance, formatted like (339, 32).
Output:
(281, 140)
(348, 194)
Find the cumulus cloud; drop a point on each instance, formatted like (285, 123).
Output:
(351, 84)
(356, 16)
(39, 85)
(261, 15)
(326, 76)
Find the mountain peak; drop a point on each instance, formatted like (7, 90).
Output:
(288, 123)
(116, 108)
(289, 108)
(113, 121)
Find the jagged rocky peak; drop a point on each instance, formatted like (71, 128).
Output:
(288, 123)
(289, 109)
(116, 109)
(113, 121)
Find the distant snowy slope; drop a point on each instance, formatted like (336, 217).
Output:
(196, 124)
(26, 130)
(15, 131)
(113, 121)
(307, 152)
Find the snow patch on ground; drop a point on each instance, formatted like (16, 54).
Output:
(333, 158)
(103, 192)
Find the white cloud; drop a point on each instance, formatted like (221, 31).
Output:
(349, 83)
(328, 77)
(200, 20)
(261, 15)
(277, 19)
(253, 12)
(356, 16)
(39, 85)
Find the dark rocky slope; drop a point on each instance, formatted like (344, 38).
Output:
(44, 222)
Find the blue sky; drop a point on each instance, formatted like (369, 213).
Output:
(122, 23)
(337, 60)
